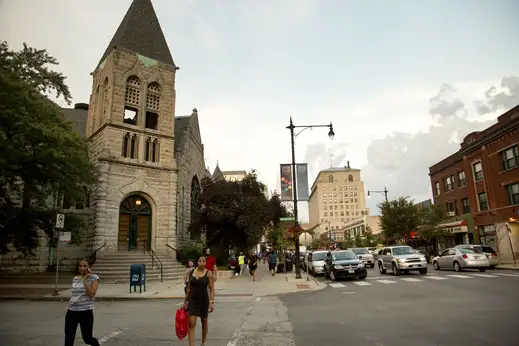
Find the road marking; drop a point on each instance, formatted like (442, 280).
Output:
(258, 299)
(461, 276)
(387, 282)
(485, 275)
(110, 336)
(348, 293)
(436, 277)
(236, 334)
(361, 283)
(335, 285)
(509, 275)
(411, 280)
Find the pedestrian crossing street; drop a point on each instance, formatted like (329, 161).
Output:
(421, 278)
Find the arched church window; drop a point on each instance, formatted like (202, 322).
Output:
(152, 106)
(195, 198)
(350, 178)
(132, 100)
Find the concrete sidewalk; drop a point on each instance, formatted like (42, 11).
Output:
(265, 285)
(508, 266)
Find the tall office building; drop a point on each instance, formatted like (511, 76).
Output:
(337, 197)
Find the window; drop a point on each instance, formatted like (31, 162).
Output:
(129, 146)
(151, 150)
(449, 183)
(437, 188)
(132, 100)
(325, 214)
(483, 202)
(462, 179)
(513, 193)
(510, 158)
(350, 178)
(451, 207)
(478, 171)
(465, 205)
(330, 178)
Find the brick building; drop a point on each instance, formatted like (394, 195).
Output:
(480, 182)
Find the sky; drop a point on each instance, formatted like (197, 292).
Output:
(402, 81)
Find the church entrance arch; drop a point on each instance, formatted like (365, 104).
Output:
(134, 223)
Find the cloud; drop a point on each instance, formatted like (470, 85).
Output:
(445, 102)
(503, 98)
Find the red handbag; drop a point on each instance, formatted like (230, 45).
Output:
(181, 323)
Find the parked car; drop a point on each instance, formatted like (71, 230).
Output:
(401, 259)
(316, 262)
(492, 256)
(343, 264)
(461, 258)
(363, 254)
(377, 253)
(232, 262)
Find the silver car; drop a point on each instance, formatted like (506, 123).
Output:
(492, 255)
(316, 262)
(461, 258)
(401, 259)
(364, 255)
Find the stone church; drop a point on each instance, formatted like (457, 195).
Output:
(151, 162)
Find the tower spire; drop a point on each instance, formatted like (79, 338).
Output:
(140, 32)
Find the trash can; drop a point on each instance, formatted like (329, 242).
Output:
(289, 265)
(137, 277)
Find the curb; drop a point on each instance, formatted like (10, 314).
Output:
(498, 268)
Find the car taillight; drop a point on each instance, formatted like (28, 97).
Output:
(465, 256)
(494, 254)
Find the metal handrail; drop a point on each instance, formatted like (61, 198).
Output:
(154, 259)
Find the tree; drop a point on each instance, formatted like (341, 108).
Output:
(236, 214)
(40, 154)
(359, 242)
(370, 240)
(398, 218)
(431, 218)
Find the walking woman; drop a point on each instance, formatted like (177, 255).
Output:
(199, 301)
(189, 269)
(253, 265)
(81, 306)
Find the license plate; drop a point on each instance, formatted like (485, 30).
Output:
(477, 257)
(351, 271)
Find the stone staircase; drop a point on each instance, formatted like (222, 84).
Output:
(114, 267)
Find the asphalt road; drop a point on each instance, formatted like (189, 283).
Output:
(236, 321)
(440, 308)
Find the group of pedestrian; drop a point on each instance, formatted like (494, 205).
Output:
(199, 299)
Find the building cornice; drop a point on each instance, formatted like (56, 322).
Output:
(512, 125)
(136, 164)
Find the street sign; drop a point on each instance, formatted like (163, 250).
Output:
(286, 218)
(60, 221)
(65, 237)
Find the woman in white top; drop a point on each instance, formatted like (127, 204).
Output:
(81, 306)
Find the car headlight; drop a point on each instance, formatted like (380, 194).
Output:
(337, 266)
(401, 260)
(361, 265)
(422, 259)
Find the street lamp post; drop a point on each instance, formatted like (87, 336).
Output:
(382, 192)
(291, 127)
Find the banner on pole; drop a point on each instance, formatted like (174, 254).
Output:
(286, 182)
(303, 193)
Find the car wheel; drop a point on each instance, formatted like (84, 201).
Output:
(332, 275)
(423, 271)
(457, 267)
(436, 265)
(372, 265)
(482, 270)
(396, 271)
(381, 268)
(363, 277)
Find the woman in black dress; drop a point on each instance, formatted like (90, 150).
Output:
(199, 302)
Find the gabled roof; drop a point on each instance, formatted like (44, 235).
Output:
(217, 174)
(77, 117)
(140, 32)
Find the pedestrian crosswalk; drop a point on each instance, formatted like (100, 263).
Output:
(421, 278)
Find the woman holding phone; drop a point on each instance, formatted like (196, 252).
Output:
(199, 302)
(81, 306)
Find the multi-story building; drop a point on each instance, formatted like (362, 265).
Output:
(482, 180)
(360, 225)
(336, 197)
(234, 175)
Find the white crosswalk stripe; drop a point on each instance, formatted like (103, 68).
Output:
(508, 275)
(461, 276)
(336, 285)
(387, 282)
(362, 283)
(485, 275)
(411, 280)
(436, 278)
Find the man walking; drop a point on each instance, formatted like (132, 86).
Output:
(241, 263)
(210, 263)
(272, 262)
